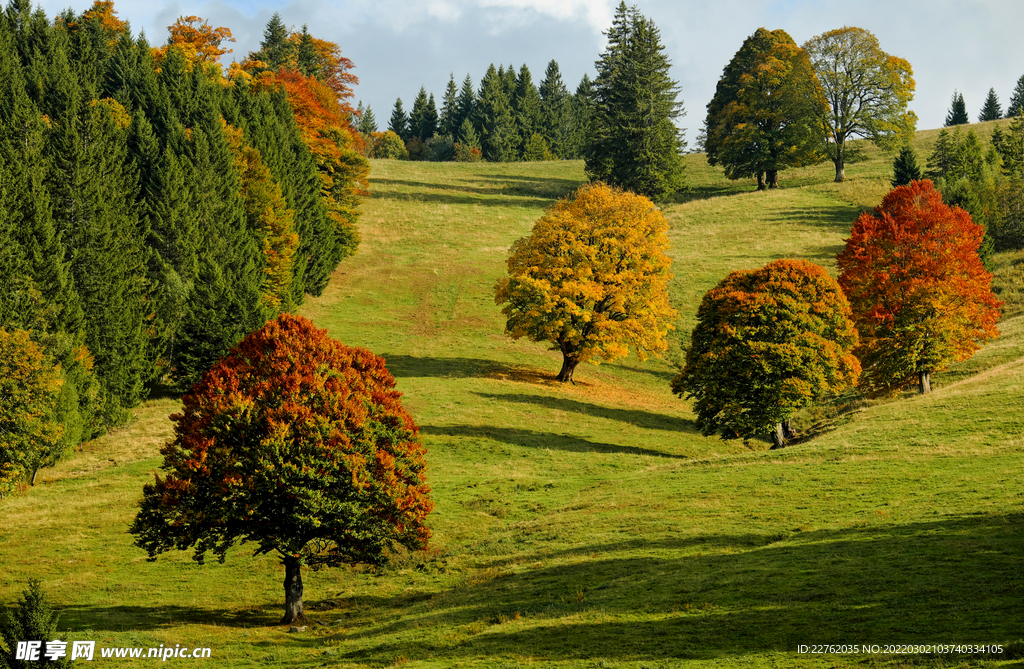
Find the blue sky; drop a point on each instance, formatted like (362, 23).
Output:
(399, 45)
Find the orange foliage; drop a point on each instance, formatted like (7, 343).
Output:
(921, 298)
(333, 68)
(198, 40)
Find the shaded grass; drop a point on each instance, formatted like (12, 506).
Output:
(588, 525)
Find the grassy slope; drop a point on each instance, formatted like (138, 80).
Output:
(588, 525)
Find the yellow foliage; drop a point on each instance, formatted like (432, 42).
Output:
(592, 278)
(117, 112)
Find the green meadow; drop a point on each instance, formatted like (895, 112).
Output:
(589, 525)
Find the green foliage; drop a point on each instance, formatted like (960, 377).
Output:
(957, 114)
(767, 342)
(367, 121)
(526, 107)
(423, 118)
(905, 168)
(439, 148)
(556, 112)
(33, 620)
(448, 122)
(634, 143)
(388, 145)
(399, 123)
(991, 110)
(498, 136)
(536, 148)
(767, 111)
(1016, 105)
(276, 50)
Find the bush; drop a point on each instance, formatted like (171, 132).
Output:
(465, 153)
(388, 145)
(416, 148)
(440, 149)
(33, 620)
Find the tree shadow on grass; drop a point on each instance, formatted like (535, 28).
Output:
(499, 198)
(639, 418)
(540, 439)
(454, 368)
(926, 582)
(121, 618)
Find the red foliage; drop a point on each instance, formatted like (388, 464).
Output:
(920, 296)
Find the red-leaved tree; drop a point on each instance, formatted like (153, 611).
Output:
(920, 296)
(298, 444)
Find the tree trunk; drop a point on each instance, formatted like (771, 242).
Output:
(773, 178)
(787, 430)
(840, 170)
(778, 437)
(760, 181)
(925, 379)
(35, 471)
(293, 612)
(568, 367)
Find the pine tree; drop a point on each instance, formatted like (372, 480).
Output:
(991, 110)
(276, 50)
(957, 111)
(1016, 105)
(307, 59)
(635, 144)
(466, 105)
(399, 123)
(498, 134)
(555, 111)
(905, 167)
(367, 122)
(419, 115)
(583, 108)
(447, 122)
(526, 108)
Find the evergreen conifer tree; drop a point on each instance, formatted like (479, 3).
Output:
(498, 134)
(635, 144)
(583, 108)
(276, 50)
(399, 123)
(466, 105)
(418, 115)
(449, 109)
(1016, 106)
(991, 110)
(367, 122)
(526, 108)
(555, 111)
(905, 167)
(957, 111)
(306, 57)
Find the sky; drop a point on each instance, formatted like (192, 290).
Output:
(397, 46)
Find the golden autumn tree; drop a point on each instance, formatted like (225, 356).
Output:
(591, 279)
(767, 342)
(921, 298)
(198, 40)
(268, 212)
(298, 445)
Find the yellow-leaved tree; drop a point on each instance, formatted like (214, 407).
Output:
(591, 278)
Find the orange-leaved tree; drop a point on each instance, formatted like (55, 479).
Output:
(198, 40)
(767, 342)
(921, 298)
(299, 445)
(591, 278)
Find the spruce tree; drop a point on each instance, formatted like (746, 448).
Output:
(466, 105)
(1016, 106)
(418, 115)
(275, 49)
(555, 111)
(448, 117)
(583, 108)
(367, 122)
(306, 57)
(526, 108)
(399, 123)
(991, 110)
(905, 167)
(428, 126)
(957, 111)
(635, 144)
(498, 134)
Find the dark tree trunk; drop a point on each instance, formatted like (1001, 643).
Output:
(293, 612)
(925, 381)
(787, 430)
(760, 181)
(34, 472)
(773, 178)
(840, 170)
(568, 367)
(778, 437)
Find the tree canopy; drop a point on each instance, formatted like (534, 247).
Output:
(767, 342)
(920, 296)
(957, 114)
(867, 91)
(634, 143)
(297, 444)
(591, 279)
(767, 111)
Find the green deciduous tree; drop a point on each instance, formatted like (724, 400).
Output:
(591, 279)
(867, 90)
(767, 342)
(633, 142)
(767, 112)
(299, 445)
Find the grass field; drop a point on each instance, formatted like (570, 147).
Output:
(588, 525)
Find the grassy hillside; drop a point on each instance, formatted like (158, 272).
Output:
(588, 525)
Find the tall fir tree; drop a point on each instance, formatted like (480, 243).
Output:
(1016, 105)
(635, 144)
(583, 108)
(498, 132)
(367, 121)
(991, 110)
(905, 168)
(957, 114)
(399, 123)
(449, 114)
(526, 108)
(418, 117)
(466, 105)
(555, 112)
(276, 50)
